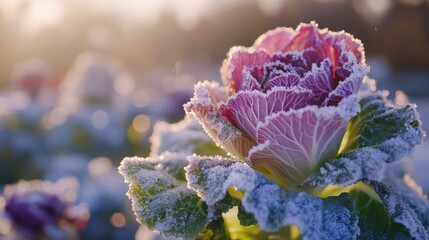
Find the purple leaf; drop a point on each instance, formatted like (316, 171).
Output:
(274, 40)
(238, 58)
(292, 144)
(320, 81)
(216, 126)
(246, 109)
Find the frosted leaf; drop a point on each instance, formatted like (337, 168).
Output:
(280, 64)
(275, 39)
(285, 80)
(350, 85)
(400, 211)
(186, 136)
(375, 222)
(340, 221)
(272, 207)
(364, 163)
(238, 58)
(249, 82)
(307, 36)
(382, 124)
(248, 108)
(294, 143)
(412, 194)
(202, 107)
(320, 81)
(379, 134)
(160, 199)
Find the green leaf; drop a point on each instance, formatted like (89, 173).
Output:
(400, 211)
(214, 231)
(246, 219)
(380, 134)
(239, 232)
(408, 190)
(272, 207)
(375, 222)
(161, 200)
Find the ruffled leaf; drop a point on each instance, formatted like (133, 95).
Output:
(161, 200)
(272, 207)
(349, 75)
(275, 39)
(307, 36)
(247, 109)
(284, 80)
(238, 59)
(320, 81)
(379, 134)
(203, 107)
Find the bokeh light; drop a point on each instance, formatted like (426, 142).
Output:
(141, 123)
(118, 220)
(99, 166)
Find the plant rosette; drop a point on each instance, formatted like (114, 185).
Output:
(301, 146)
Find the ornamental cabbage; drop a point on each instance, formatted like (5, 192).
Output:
(286, 102)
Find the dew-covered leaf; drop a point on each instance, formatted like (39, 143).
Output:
(381, 133)
(161, 200)
(271, 206)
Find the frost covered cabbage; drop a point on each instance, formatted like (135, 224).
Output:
(312, 150)
(287, 100)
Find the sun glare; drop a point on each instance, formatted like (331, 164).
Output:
(33, 15)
